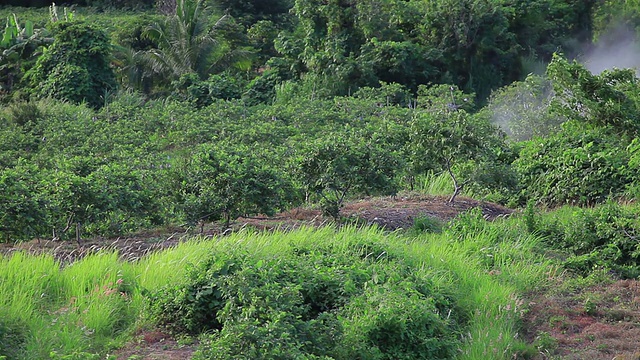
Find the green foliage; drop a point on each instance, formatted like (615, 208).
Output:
(254, 11)
(611, 15)
(224, 183)
(479, 50)
(604, 237)
(193, 307)
(12, 337)
(578, 165)
(427, 224)
(21, 211)
(307, 293)
(202, 93)
(611, 99)
(311, 302)
(444, 139)
(336, 167)
(386, 94)
(543, 27)
(188, 42)
(589, 159)
(398, 321)
(76, 67)
(19, 46)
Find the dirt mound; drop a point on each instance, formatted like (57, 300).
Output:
(390, 213)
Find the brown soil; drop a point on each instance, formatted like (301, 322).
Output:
(598, 322)
(390, 213)
(155, 345)
(557, 321)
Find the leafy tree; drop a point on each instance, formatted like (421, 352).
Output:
(203, 93)
(611, 99)
(405, 62)
(446, 136)
(479, 52)
(18, 48)
(337, 166)
(76, 67)
(252, 11)
(218, 183)
(589, 159)
(609, 15)
(580, 165)
(21, 212)
(544, 27)
(70, 197)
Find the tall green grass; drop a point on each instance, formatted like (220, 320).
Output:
(92, 306)
(434, 184)
(489, 269)
(87, 308)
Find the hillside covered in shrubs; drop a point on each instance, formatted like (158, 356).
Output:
(124, 116)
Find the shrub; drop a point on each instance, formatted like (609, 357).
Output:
(76, 67)
(220, 182)
(314, 303)
(336, 167)
(580, 165)
(601, 237)
(397, 321)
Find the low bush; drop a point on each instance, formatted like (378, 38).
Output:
(314, 303)
(600, 237)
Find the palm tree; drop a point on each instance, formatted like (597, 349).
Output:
(187, 43)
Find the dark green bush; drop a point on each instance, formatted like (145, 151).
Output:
(581, 165)
(192, 307)
(204, 92)
(76, 67)
(311, 303)
(340, 166)
(398, 321)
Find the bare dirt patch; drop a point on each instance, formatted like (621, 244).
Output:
(390, 213)
(155, 345)
(599, 322)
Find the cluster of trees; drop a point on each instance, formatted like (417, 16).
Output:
(232, 49)
(191, 118)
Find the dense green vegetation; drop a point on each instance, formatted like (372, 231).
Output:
(188, 112)
(303, 294)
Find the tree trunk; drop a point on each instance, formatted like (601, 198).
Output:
(457, 188)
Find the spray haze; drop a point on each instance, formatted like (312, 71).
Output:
(616, 48)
